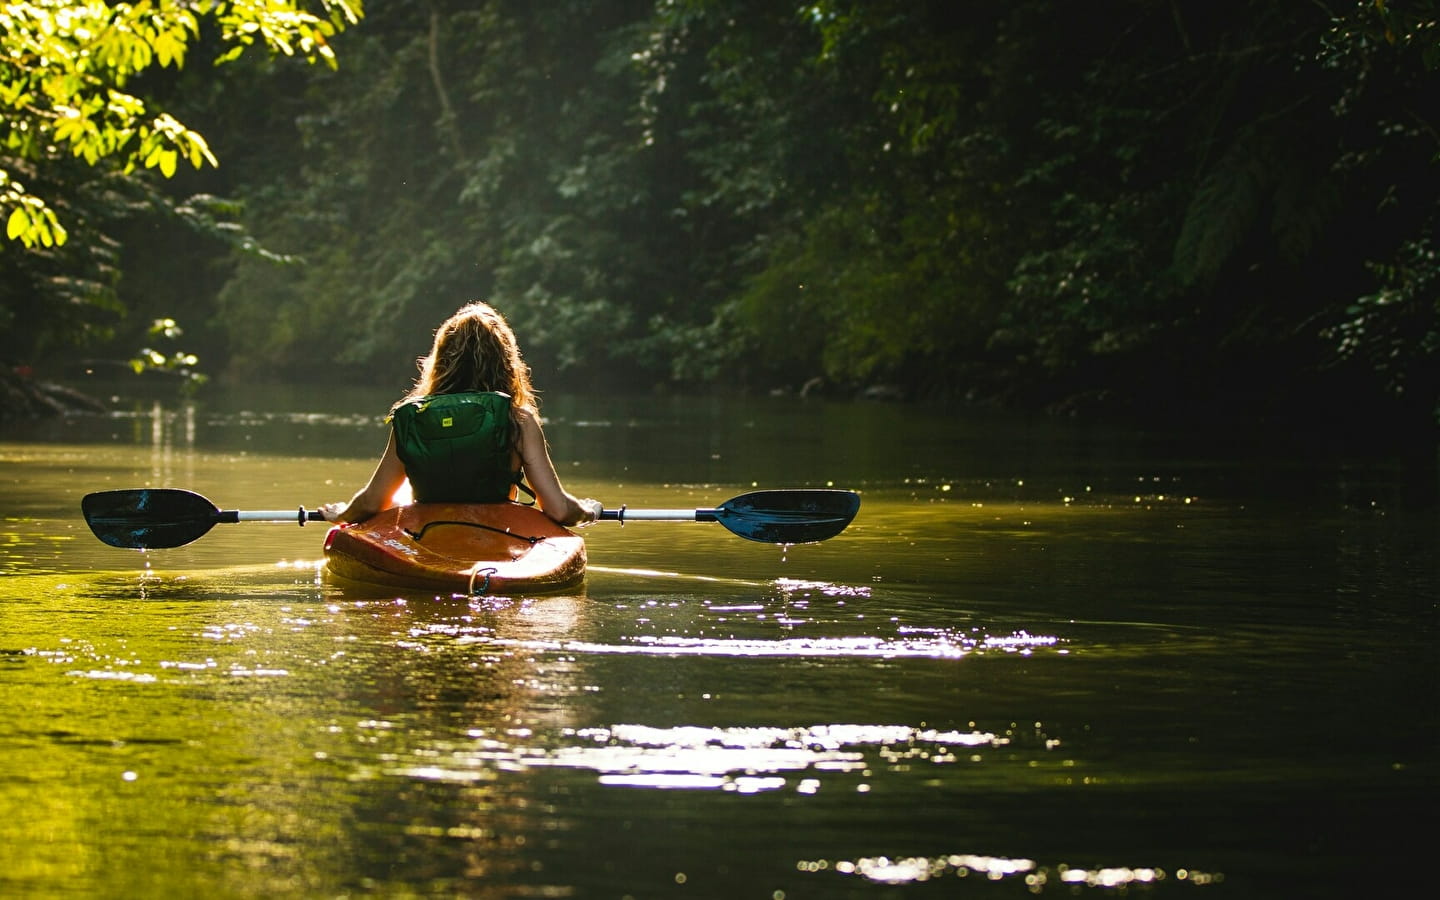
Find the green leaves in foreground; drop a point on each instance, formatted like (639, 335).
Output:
(30, 220)
(64, 68)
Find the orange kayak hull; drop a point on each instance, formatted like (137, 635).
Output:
(460, 548)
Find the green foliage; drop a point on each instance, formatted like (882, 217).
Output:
(1027, 200)
(60, 296)
(1395, 331)
(81, 137)
(1410, 27)
(65, 67)
(179, 362)
(485, 154)
(957, 197)
(373, 216)
(30, 220)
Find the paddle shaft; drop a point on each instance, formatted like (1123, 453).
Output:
(300, 516)
(230, 516)
(624, 514)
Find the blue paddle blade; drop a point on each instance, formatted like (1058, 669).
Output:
(149, 518)
(787, 516)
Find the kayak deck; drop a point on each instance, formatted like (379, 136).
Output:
(463, 548)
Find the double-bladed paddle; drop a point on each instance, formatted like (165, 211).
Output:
(157, 518)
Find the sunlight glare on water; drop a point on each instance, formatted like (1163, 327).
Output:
(907, 870)
(698, 757)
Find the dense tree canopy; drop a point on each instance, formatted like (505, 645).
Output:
(1138, 203)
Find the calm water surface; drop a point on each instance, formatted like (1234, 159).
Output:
(1045, 660)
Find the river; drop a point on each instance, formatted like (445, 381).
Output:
(1047, 659)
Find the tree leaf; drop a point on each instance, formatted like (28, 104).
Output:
(18, 224)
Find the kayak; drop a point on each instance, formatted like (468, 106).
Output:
(462, 548)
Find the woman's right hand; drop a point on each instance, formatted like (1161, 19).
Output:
(592, 508)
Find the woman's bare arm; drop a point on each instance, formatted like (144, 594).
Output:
(539, 470)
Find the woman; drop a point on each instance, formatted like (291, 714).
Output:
(474, 373)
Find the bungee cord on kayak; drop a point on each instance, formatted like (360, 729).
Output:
(419, 533)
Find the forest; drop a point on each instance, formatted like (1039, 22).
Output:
(1160, 209)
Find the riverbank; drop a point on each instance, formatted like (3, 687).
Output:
(23, 397)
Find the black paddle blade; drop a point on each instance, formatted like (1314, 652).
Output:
(789, 517)
(148, 518)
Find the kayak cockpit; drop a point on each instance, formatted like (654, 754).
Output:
(466, 548)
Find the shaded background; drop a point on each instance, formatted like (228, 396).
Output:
(1159, 210)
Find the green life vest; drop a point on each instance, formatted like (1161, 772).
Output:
(456, 447)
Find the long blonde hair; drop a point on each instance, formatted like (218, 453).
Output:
(475, 350)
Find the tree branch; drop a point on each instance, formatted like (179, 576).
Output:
(447, 112)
